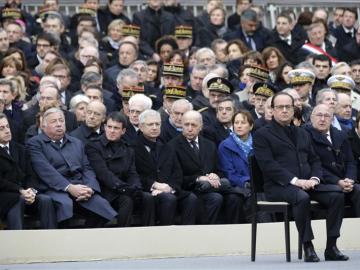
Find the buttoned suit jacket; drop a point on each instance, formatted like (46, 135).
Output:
(337, 160)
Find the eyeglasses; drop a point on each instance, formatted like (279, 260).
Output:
(282, 107)
(323, 115)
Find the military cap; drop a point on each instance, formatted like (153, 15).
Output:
(264, 89)
(86, 10)
(220, 84)
(173, 70)
(259, 72)
(341, 82)
(183, 31)
(11, 13)
(131, 30)
(129, 91)
(301, 76)
(175, 91)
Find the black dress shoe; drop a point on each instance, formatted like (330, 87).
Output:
(310, 255)
(333, 254)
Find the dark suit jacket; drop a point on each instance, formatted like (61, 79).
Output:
(336, 158)
(294, 52)
(168, 132)
(16, 122)
(115, 170)
(14, 171)
(165, 170)
(280, 159)
(105, 17)
(84, 133)
(192, 166)
(215, 132)
(342, 39)
(130, 135)
(153, 25)
(110, 75)
(355, 147)
(260, 37)
(57, 167)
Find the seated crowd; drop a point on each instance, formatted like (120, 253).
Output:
(110, 118)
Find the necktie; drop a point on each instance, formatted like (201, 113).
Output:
(195, 148)
(7, 150)
(250, 42)
(58, 143)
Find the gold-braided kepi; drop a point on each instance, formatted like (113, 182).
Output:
(220, 84)
(129, 91)
(264, 89)
(131, 30)
(183, 31)
(173, 70)
(259, 73)
(175, 91)
(301, 76)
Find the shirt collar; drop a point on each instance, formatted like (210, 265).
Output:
(196, 140)
(10, 107)
(5, 145)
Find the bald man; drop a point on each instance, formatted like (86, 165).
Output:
(337, 161)
(94, 119)
(198, 160)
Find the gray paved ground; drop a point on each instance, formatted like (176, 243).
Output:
(273, 262)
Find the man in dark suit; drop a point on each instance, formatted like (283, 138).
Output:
(345, 33)
(254, 38)
(60, 70)
(172, 126)
(48, 95)
(11, 110)
(160, 173)
(334, 149)
(292, 173)
(287, 41)
(92, 127)
(220, 130)
(128, 53)
(198, 160)
(114, 165)
(219, 88)
(65, 173)
(137, 104)
(16, 190)
(262, 92)
(154, 23)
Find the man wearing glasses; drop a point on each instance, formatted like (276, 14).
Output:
(292, 173)
(334, 149)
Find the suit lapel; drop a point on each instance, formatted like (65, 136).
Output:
(187, 148)
(280, 133)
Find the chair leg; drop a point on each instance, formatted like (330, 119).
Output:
(287, 236)
(253, 236)
(300, 249)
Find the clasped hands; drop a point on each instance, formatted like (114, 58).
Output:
(28, 195)
(80, 192)
(158, 188)
(212, 178)
(346, 184)
(306, 184)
